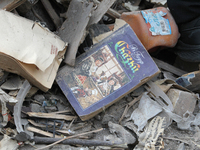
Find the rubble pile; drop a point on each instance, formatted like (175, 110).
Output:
(38, 111)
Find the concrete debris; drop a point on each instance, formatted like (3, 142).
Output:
(181, 146)
(13, 83)
(182, 101)
(36, 113)
(119, 134)
(146, 110)
(187, 121)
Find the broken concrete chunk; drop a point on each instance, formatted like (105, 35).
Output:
(14, 83)
(186, 121)
(145, 111)
(182, 101)
(196, 121)
(107, 118)
(40, 98)
(120, 134)
(183, 123)
(37, 108)
(181, 146)
(131, 126)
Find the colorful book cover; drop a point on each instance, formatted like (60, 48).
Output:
(110, 70)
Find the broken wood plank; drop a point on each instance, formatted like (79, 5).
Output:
(32, 129)
(46, 140)
(165, 66)
(73, 28)
(110, 11)
(36, 124)
(10, 5)
(113, 13)
(49, 115)
(54, 16)
(73, 136)
(42, 125)
(60, 112)
(102, 8)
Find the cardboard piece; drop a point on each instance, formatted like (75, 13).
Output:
(28, 41)
(110, 70)
(29, 50)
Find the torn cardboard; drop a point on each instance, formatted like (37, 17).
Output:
(34, 53)
(32, 44)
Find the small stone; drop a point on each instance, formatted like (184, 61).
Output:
(121, 134)
(129, 99)
(167, 141)
(107, 118)
(182, 101)
(39, 98)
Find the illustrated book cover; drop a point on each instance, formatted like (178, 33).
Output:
(106, 73)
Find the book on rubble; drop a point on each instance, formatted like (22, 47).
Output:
(107, 72)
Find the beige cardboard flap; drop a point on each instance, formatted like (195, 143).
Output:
(27, 41)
